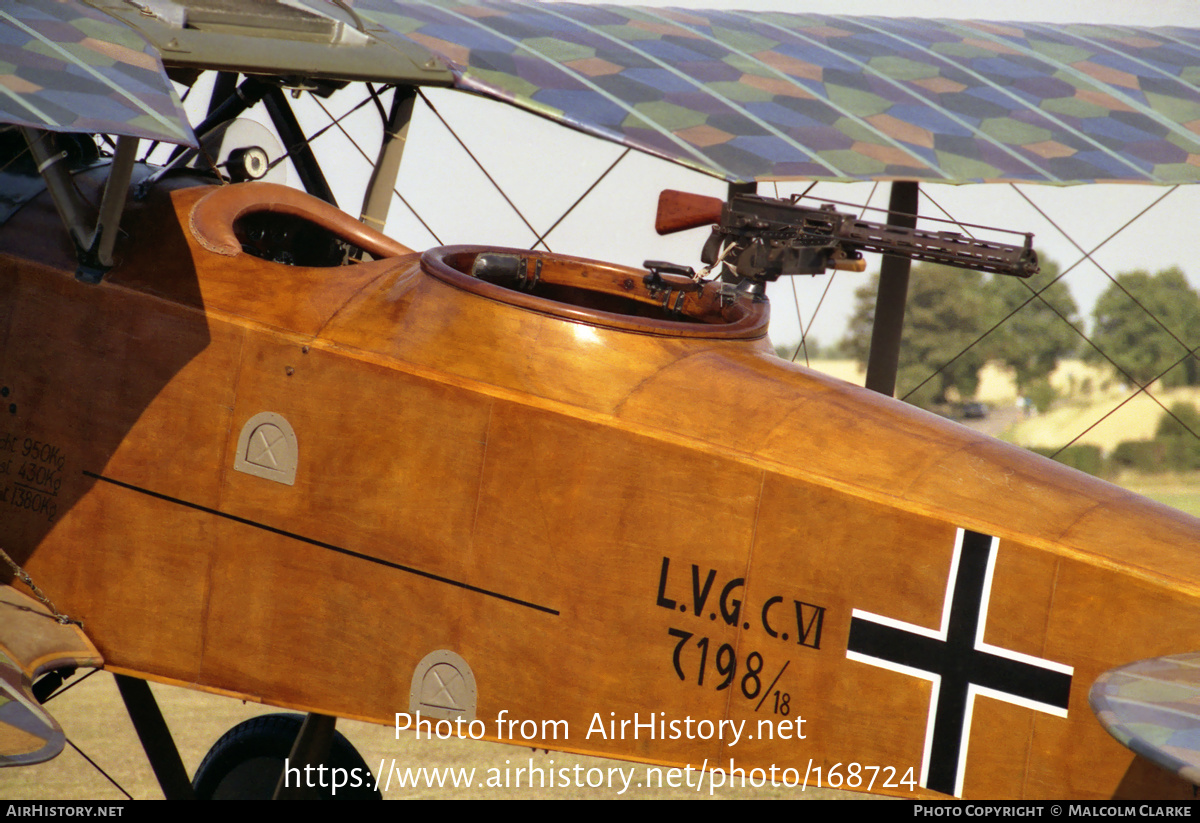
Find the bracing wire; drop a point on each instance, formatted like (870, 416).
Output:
(80, 751)
(97, 767)
(475, 159)
(804, 330)
(395, 191)
(1039, 295)
(542, 237)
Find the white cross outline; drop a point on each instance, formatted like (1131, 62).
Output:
(973, 690)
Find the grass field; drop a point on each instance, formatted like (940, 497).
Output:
(1178, 491)
(1105, 420)
(94, 719)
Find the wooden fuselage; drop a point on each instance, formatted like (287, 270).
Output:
(603, 522)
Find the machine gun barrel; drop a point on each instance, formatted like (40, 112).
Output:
(761, 238)
(945, 247)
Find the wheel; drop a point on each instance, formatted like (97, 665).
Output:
(245, 764)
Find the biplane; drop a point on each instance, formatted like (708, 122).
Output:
(252, 445)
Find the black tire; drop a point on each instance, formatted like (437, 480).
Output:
(245, 764)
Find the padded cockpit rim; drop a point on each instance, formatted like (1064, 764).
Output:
(212, 218)
(748, 322)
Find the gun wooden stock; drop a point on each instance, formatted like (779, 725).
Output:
(678, 210)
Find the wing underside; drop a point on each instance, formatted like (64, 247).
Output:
(1151, 707)
(740, 95)
(33, 642)
(65, 67)
(763, 95)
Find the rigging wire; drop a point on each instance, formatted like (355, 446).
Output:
(1039, 295)
(367, 157)
(471, 154)
(82, 754)
(1140, 390)
(803, 344)
(308, 141)
(804, 332)
(542, 238)
(862, 212)
(383, 118)
(69, 686)
(154, 144)
(96, 766)
(1088, 256)
(1036, 294)
(14, 158)
(1188, 352)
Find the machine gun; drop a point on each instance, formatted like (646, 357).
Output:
(757, 239)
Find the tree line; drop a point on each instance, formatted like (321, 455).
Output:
(1145, 327)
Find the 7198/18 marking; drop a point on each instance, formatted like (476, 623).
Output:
(726, 663)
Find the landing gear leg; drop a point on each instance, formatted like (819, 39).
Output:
(248, 762)
(156, 738)
(310, 749)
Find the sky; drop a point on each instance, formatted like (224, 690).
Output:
(543, 168)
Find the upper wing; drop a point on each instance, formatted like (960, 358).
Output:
(741, 95)
(67, 68)
(765, 95)
(287, 38)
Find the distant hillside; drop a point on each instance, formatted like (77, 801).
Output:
(1073, 379)
(1085, 395)
(1135, 420)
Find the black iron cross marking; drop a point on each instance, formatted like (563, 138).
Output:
(958, 663)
